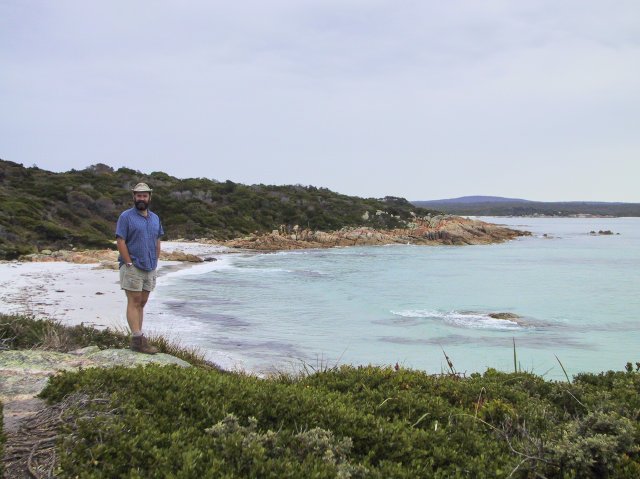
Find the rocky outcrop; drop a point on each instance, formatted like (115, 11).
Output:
(107, 258)
(24, 373)
(437, 230)
(73, 256)
(180, 256)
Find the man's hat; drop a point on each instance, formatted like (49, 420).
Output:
(142, 188)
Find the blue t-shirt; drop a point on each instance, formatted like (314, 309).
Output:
(140, 233)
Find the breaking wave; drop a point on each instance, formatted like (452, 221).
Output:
(461, 319)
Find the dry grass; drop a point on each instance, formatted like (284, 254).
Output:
(27, 332)
(30, 452)
(190, 354)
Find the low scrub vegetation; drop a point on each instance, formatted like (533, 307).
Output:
(40, 209)
(343, 422)
(2, 439)
(350, 422)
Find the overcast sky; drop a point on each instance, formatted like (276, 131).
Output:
(423, 99)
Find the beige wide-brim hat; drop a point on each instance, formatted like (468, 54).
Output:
(142, 188)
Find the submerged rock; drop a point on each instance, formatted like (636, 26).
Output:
(512, 317)
(509, 316)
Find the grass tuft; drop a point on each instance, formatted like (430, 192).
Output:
(190, 354)
(563, 369)
(27, 332)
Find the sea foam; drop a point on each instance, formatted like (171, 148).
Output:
(463, 319)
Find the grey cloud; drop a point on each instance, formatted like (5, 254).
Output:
(426, 89)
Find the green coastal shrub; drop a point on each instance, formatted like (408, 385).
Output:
(311, 452)
(346, 422)
(51, 210)
(2, 439)
(51, 231)
(10, 250)
(593, 445)
(349, 422)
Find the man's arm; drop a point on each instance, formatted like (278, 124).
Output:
(123, 250)
(160, 233)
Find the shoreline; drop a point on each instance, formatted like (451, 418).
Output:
(80, 293)
(167, 314)
(89, 293)
(82, 287)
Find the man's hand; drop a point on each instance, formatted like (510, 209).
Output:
(124, 251)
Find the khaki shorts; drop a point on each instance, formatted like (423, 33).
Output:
(134, 279)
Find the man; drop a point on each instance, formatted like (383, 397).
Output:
(138, 233)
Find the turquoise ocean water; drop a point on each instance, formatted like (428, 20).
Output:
(577, 294)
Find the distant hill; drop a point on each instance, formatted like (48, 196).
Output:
(41, 209)
(477, 199)
(498, 206)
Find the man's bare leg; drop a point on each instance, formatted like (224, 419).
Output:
(134, 311)
(143, 301)
(136, 301)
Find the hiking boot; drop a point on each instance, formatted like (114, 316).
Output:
(141, 345)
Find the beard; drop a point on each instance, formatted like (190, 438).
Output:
(142, 205)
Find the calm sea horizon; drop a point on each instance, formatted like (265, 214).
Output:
(576, 295)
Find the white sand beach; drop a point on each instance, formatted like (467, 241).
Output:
(79, 293)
